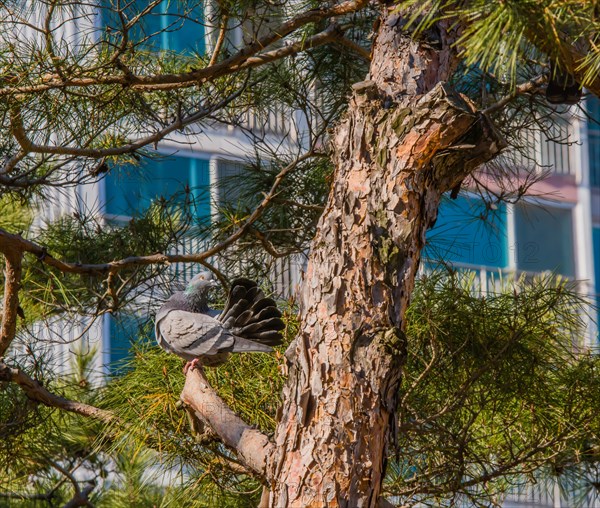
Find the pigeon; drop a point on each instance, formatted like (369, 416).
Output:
(187, 327)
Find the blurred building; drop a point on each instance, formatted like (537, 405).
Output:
(556, 229)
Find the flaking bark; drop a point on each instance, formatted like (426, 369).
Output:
(406, 139)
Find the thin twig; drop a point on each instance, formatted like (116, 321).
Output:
(356, 48)
(220, 41)
(80, 497)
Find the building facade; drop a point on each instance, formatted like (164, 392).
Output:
(557, 231)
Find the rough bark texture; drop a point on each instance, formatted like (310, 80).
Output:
(13, 259)
(251, 445)
(405, 140)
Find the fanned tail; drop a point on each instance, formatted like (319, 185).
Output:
(249, 314)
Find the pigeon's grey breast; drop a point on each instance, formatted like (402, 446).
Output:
(191, 335)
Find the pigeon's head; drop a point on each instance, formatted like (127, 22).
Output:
(201, 283)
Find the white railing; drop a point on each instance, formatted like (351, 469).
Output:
(277, 121)
(58, 339)
(546, 151)
(284, 274)
(549, 494)
(485, 279)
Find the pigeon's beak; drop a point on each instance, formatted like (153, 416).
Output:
(214, 283)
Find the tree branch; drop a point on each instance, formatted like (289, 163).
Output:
(251, 445)
(356, 48)
(35, 391)
(28, 146)
(22, 244)
(242, 59)
(220, 41)
(12, 280)
(80, 497)
(530, 86)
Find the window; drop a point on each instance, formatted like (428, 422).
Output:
(171, 25)
(124, 329)
(544, 239)
(468, 231)
(230, 174)
(555, 149)
(179, 29)
(131, 190)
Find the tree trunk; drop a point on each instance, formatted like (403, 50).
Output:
(405, 140)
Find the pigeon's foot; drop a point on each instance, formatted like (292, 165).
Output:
(191, 365)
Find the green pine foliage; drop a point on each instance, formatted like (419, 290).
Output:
(495, 390)
(498, 34)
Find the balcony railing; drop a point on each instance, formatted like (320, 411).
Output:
(546, 151)
(284, 274)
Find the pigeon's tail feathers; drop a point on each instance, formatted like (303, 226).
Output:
(273, 324)
(229, 316)
(242, 345)
(250, 315)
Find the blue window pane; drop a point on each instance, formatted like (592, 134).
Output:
(129, 191)
(596, 244)
(124, 330)
(171, 25)
(544, 239)
(178, 28)
(467, 232)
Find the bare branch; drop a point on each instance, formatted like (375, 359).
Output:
(356, 48)
(331, 33)
(220, 41)
(35, 391)
(80, 497)
(251, 445)
(531, 86)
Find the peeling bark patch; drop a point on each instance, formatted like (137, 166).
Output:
(391, 167)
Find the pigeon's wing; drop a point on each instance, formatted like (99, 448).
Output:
(190, 335)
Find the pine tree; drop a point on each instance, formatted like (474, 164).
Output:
(420, 96)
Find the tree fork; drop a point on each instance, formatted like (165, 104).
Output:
(406, 139)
